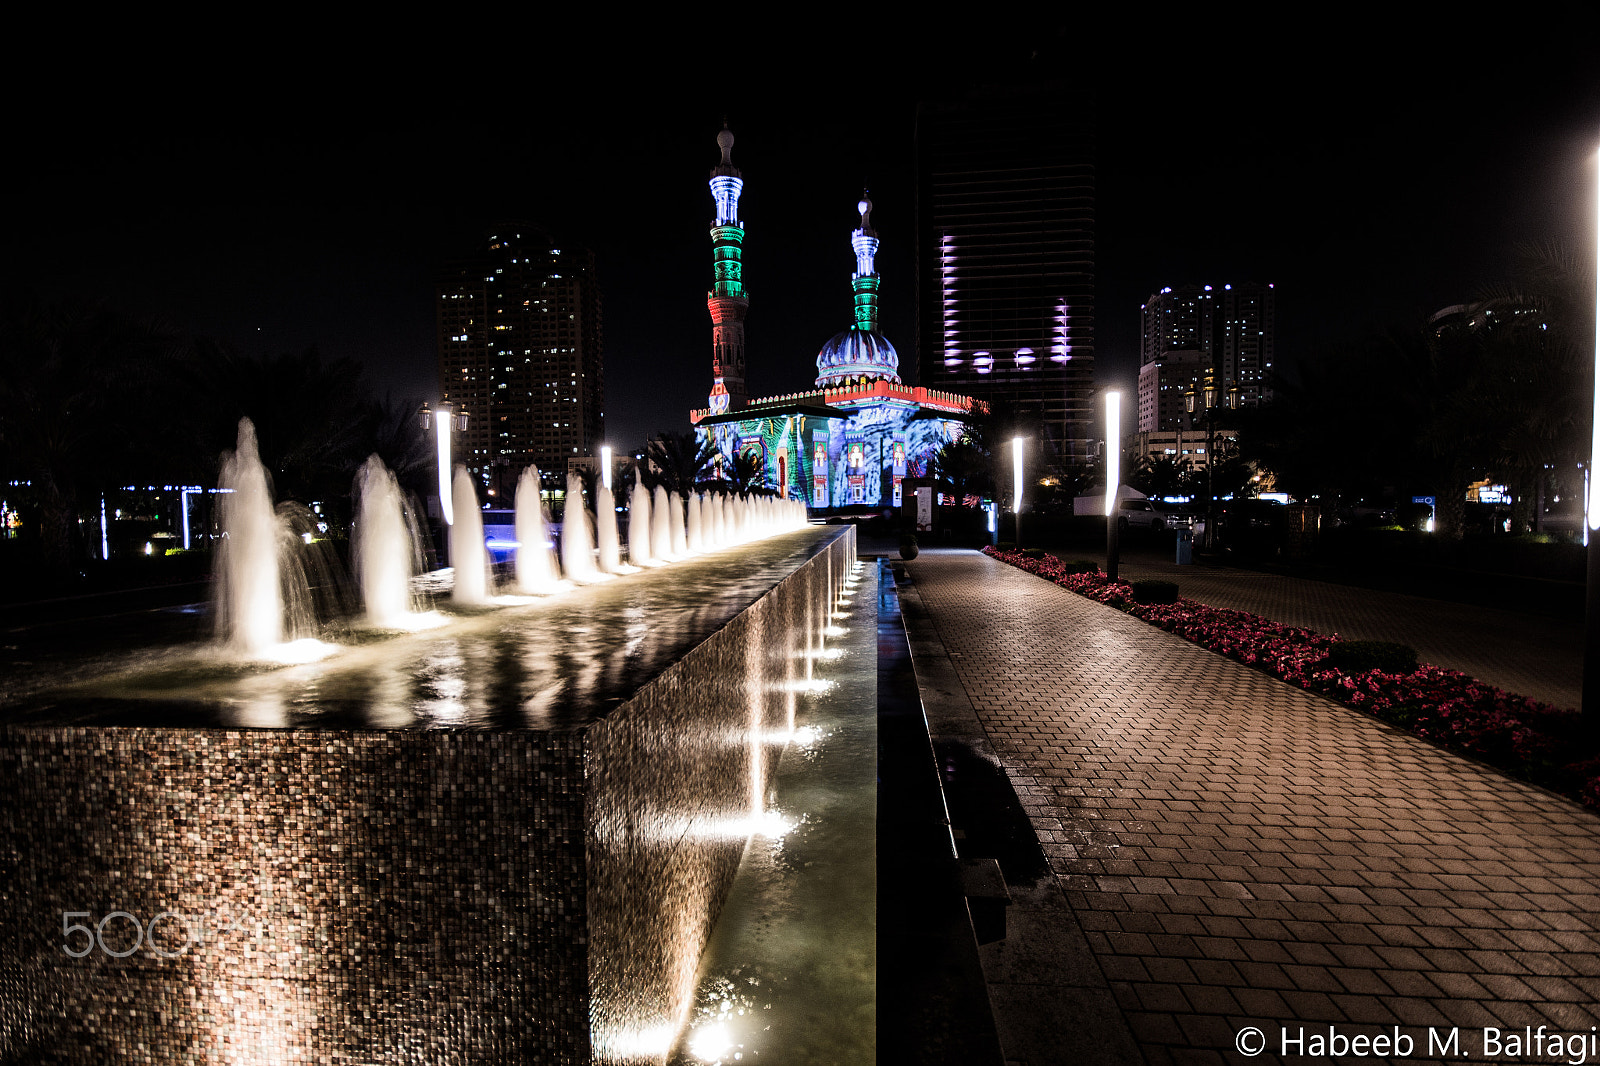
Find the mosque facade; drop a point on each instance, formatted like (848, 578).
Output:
(852, 441)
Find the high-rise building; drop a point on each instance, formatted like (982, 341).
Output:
(521, 349)
(1188, 330)
(1005, 256)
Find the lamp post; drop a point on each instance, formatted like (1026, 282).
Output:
(1208, 397)
(448, 418)
(1016, 486)
(1113, 476)
(1591, 621)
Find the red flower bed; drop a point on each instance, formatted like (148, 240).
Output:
(1530, 739)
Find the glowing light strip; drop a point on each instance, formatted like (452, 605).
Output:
(441, 422)
(1113, 449)
(1016, 474)
(605, 466)
(105, 545)
(1594, 445)
(183, 504)
(725, 188)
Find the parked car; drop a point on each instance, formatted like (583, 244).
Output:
(1136, 513)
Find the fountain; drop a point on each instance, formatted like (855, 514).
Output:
(467, 551)
(577, 547)
(536, 569)
(639, 527)
(694, 538)
(661, 526)
(505, 839)
(605, 530)
(383, 546)
(249, 602)
(680, 543)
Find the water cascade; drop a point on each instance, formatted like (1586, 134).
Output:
(639, 527)
(680, 540)
(249, 600)
(467, 552)
(695, 537)
(661, 526)
(577, 547)
(536, 569)
(605, 530)
(384, 547)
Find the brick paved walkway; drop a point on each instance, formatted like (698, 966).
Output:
(1527, 654)
(1239, 852)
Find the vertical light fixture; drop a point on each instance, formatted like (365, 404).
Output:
(442, 425)
(1016, 484)
(1113, 476)
(1113, 449)
(1591, 620)
(1594, 429)
(605, 466)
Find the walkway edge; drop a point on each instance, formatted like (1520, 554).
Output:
(1052, 1002)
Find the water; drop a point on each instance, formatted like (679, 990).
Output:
(249, 602)
(661, 526)
(384, 546)
(536, 566)
(639, 527)
(605, 530)
(680, 544)
(467, 551)
(694, 537)
(577, 546)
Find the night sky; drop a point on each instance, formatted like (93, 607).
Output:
(278, 205)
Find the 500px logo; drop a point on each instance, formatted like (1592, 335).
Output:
(141, 933)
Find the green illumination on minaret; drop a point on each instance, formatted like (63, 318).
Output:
(726, 244)
(864, 282)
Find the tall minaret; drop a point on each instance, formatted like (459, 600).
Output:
(726, 300)
(864, 282)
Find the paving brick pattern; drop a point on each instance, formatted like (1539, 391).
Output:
(1240, 852)
(1531, 655)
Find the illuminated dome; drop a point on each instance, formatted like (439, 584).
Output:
(857, 353)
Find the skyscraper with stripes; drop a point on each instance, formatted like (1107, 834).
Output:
(1005, 256)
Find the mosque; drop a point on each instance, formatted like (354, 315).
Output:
(850, 442)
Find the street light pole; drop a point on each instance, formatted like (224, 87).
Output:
(1016, 486)
(1113, 477)
(1591, 621)
(442, 422)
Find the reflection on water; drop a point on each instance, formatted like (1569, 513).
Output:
(544, 663)
(790, 974)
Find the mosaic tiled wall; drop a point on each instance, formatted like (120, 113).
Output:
(392, 897)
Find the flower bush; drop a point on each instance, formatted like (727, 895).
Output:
(1533, 740)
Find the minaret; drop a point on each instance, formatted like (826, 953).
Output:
(727, 300)
(864, 282)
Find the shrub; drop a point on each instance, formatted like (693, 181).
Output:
(1359, 656)
(1005, 546)
(1033, 553)
(1155, 592)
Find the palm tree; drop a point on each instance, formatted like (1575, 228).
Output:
(962, 469)
(82, 407)
(748, 475)
(679, 460)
